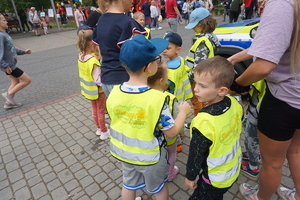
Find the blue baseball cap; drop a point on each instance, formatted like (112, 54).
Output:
(173, 37)
(138, 51)
(196, 16)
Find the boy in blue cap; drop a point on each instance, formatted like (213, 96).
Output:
(139, 118)
(205, 44)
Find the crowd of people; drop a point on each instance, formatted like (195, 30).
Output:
(120, 69)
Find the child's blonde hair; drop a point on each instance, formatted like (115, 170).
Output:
(162, 71)
(84, 40)
(218, 67)
(208, 25)
(136, 15)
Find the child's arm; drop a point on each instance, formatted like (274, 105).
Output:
(184, 110)
(96, 75)
(198, 152)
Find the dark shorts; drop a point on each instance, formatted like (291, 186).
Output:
(277, 120)
(16, 73)
(35, 26)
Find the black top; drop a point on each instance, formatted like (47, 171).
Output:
(93, 18)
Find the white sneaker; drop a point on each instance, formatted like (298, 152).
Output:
(249, 192)
(286, 193)
(159, 28)
(98, 132)
(152, 29)
(105, 135)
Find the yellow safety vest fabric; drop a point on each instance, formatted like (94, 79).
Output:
(258, 92)
(134, 119)
(89, 88)
(179, 77)
(192, 52)
(224, 159)
(171, 101)
(148, 31)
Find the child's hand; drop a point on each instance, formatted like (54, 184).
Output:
(28, 51)
(190, 184)
(185, 107)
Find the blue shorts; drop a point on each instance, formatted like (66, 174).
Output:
(153, 177)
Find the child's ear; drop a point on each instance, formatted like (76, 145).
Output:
(178, 49)
(223, 91)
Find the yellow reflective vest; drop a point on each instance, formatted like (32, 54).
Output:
(134, 119)
(89, 88)
(192, 52)
(148, 30)
(256, 93)
(178, 75)
(224, 158)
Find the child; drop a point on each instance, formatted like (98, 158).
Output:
(159, 82)
(154, 16)
(112, 30)
(138, 119)
(215, 132)
(178, 79)
(8, 61)
(90, 82)
(44, 25)
(140, 18)
(205, 44)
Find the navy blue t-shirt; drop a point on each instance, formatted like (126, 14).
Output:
(146, 9)
(112, 30)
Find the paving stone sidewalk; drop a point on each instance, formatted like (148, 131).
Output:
(52, 152)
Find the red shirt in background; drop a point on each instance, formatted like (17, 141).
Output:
(170, 4)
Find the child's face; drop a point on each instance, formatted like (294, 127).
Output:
(205, 89)
(197, 29)
(3, 23)
(171, 52)
(141, 20)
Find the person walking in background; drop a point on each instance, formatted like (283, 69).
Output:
(147, 13)
(235, 10)
(35, 21)
(8, 61)
(163, 9)
(248, 8)
(44, 25)
(112, 30)
(226, 4)
(215, 151)
(23, 18)
(185, 11)
(208, 5)
(79, 16)
(276, 48)
(62, 13)
(154, 16)
(171, 14)
(90, 81)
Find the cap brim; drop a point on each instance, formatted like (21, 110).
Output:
(191, 25)
(160, 44)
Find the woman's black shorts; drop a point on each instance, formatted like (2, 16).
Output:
(16, 73)
(277, 120)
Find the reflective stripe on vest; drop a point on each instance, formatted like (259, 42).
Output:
(134, 119)
(179, 77)
(89, 89)
(223, 130)
(192, 53)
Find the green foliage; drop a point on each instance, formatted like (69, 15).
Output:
(6, 5)
(90, 2)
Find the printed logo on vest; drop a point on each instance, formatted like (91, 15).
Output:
(134, 116)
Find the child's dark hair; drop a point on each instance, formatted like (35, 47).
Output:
(218, 67)
(84, 39)
(161, 73)
(208, 25)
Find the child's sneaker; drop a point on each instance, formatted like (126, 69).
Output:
(187, 125)
(174, 173)
(98, 132)
(248, 191)
(246, 156)
(9, 106)
(245, 167)
(286, 194)
(179, 148)
(159, 28)
(138, 198)
(104, 135)
(9, 98)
